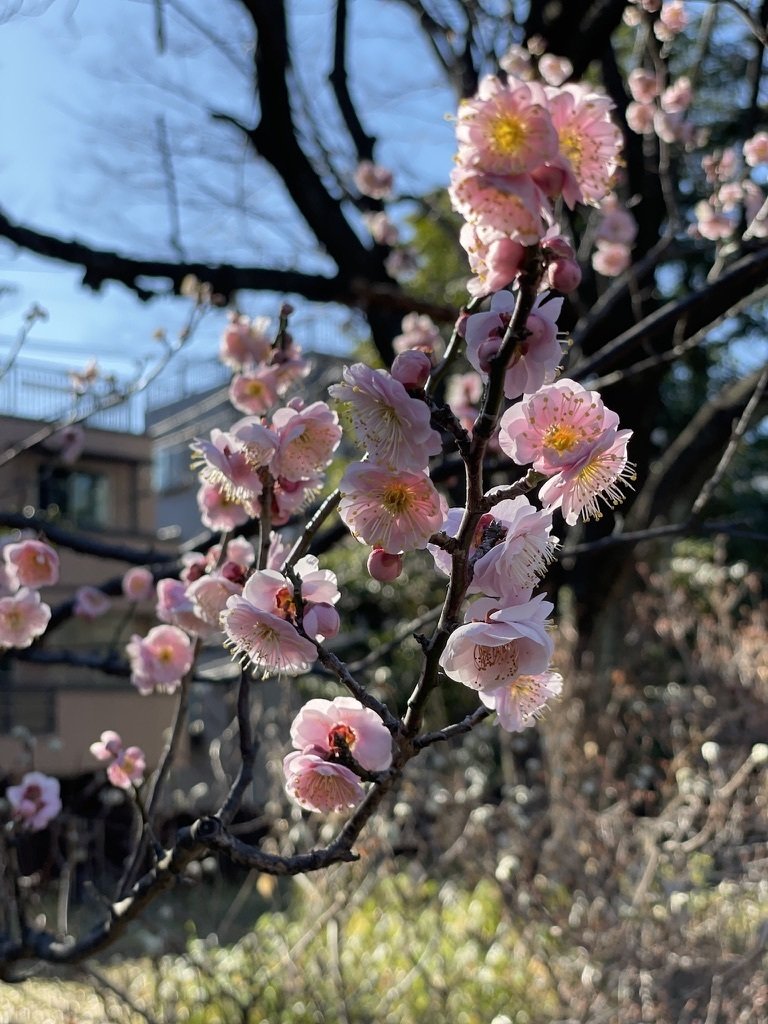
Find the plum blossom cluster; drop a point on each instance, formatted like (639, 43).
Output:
(389, 501)
(566, 433)
(336, 743)
(659, 110)
(735, 196)
(27, 566)
(270, 628)
(504, 647)
(287, 454)
(126, 764)
(522, 146)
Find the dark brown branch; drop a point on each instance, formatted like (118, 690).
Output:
(85, 544)
(364, 143)
(677, 321)
(101, 265)
(690, 458)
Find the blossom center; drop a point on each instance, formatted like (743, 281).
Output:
(508, 134)
(341, 738)
(491, 657)
(572, 146)
(561, 437)
(285, 603)
(395, 498)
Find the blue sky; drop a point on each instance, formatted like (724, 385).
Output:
(81, 89)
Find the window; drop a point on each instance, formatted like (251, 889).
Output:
(74, 496)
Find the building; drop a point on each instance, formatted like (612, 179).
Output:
(104, 496)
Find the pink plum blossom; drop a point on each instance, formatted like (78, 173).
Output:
(160, 660)
(643, 85)
(382, 230)
(510, 551)
(419, 333)
(273, 592)
(536, 357)
(31, 563)
(290, 496)
(306, 439)
(90, 603)
(589, 141)
(23, 618)
(217, 511)
(616, 222)
(138, 584)
(564, 275)
(595, 476)
(506, 129)
(712, 223)
(520, 702)
(373, 180)
(394, 427)
(397, 511)
(35, 801)
(128, 768)
(343, 725)
(128, 764)
(672, 20)
(245, 342)
(554, 69)
(677, 97)
(508, 204)
(505, 643)
(555, 427)
(256, 391)
(640, 117)
(209, 596)
(270, 643)
(611, 259)
(756, 149)
(319, 785)
(108, 746)
(321, 620)
(174, 605)
(222, 463)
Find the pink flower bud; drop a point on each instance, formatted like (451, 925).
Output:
(383, 566)
(412, 368)
(138, 584)
(503, 262)
(558, 247)
(487, 352)
(564, 275)
(549, 179)
(233, 572)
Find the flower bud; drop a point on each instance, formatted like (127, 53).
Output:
(564, 275)
(412, 368)
(383, 566)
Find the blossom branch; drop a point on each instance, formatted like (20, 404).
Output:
(458, 729)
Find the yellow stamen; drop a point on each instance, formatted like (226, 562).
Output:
(508, 135)
(561, 437)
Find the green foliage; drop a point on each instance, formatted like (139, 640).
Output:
(443, 270)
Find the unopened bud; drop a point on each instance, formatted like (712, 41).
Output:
(564, 275)
(412, 368)
(383, 566)
(759, 753)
